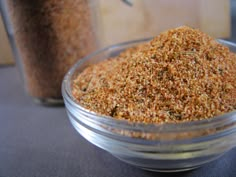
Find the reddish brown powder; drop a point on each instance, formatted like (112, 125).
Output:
(50, 35)
(181, 75)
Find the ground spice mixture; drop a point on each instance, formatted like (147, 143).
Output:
(180, 75)
(50, 35)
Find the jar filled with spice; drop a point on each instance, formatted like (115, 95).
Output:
(47, 38)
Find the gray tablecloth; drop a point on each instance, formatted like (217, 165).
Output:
(39, 141)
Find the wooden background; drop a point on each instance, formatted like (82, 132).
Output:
(147, 18)
(5, 50)
(119, 22)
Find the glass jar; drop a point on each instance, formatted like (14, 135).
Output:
(47, 38)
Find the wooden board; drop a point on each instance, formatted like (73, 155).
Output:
(215, 17)
(147, 18)
(119, 22)
(5, 50)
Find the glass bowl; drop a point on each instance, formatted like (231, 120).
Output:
(165, 148)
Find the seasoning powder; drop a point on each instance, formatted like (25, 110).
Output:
(50, 35)
(180, 75)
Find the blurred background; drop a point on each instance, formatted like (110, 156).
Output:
(117, 21)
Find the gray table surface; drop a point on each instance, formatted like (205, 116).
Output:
(38, 141)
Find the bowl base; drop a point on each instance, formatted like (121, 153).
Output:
(158, 168)
(170, 170)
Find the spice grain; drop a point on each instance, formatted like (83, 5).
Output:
(181, 75)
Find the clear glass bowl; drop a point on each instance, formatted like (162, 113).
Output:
(165, 148)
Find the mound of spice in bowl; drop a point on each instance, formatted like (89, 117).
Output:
(181, 75)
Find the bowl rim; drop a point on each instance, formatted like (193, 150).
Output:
(217, 121)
